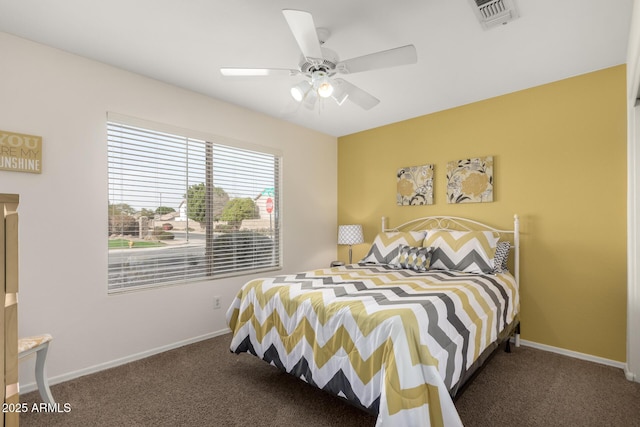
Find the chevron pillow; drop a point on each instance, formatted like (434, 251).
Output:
(413, 258)
(502, 255)
(386, 246)
(466, 251)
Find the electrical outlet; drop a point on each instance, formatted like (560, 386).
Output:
(216, 303)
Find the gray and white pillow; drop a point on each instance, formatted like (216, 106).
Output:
(413, 258)
(465, 251)
(386, 246)
(501, 257)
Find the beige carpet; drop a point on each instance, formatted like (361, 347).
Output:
(205, 385)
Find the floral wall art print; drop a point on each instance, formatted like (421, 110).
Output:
(470, 180)
(415, 185)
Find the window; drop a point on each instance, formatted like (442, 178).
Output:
(183, 208)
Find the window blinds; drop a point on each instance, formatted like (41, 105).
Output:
(182, 209)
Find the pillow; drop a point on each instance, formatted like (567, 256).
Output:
(502, 255)
(466, 251)
(413, 258)
(386, 245)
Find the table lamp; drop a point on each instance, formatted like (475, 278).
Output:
(350, 235)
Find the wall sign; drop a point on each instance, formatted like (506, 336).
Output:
(20, 152)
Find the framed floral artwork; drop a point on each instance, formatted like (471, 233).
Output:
(470, 180)
(415, 185)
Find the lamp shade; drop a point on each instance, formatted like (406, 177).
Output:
(339, 94)
(325, 89)
(321, 83)
(300, 90)
(350, 234)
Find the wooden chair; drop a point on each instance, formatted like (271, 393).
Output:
(38, 344)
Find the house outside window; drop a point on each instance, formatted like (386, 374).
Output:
(184, 207)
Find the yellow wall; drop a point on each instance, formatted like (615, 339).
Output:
(559, 162)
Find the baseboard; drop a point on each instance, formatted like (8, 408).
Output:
(630, 375)
(575, 354)
(113, 363)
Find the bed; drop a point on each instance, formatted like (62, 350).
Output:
(398, 333)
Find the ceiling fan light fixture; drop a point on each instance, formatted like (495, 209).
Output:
(340, 93)
(321, 83)
(325, 89)
(310, 100)
(300, 90)
(320, 65)
(341, 98)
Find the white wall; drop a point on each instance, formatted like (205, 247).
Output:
(63, 211)
(633, 222)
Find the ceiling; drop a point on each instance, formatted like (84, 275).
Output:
(185, 43)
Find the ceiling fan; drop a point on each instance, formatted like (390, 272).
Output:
(320, 66)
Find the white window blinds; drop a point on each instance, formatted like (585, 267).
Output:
(182, 208)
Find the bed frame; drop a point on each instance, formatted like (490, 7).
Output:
(242, 336)
(465, 224)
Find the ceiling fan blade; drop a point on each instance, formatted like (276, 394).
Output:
(304, 31)
(384, 59)
(257, 72)
(356, 95)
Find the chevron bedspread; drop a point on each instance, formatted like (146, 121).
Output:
(393, 341)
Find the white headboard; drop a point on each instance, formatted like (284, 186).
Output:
(464, 224)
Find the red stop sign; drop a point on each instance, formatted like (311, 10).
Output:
(269, 205)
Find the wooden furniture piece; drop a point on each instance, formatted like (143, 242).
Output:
(9, 310)
(38, 344)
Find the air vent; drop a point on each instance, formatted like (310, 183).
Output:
(492, 13)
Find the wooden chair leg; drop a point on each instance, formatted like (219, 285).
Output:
(41, 374)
